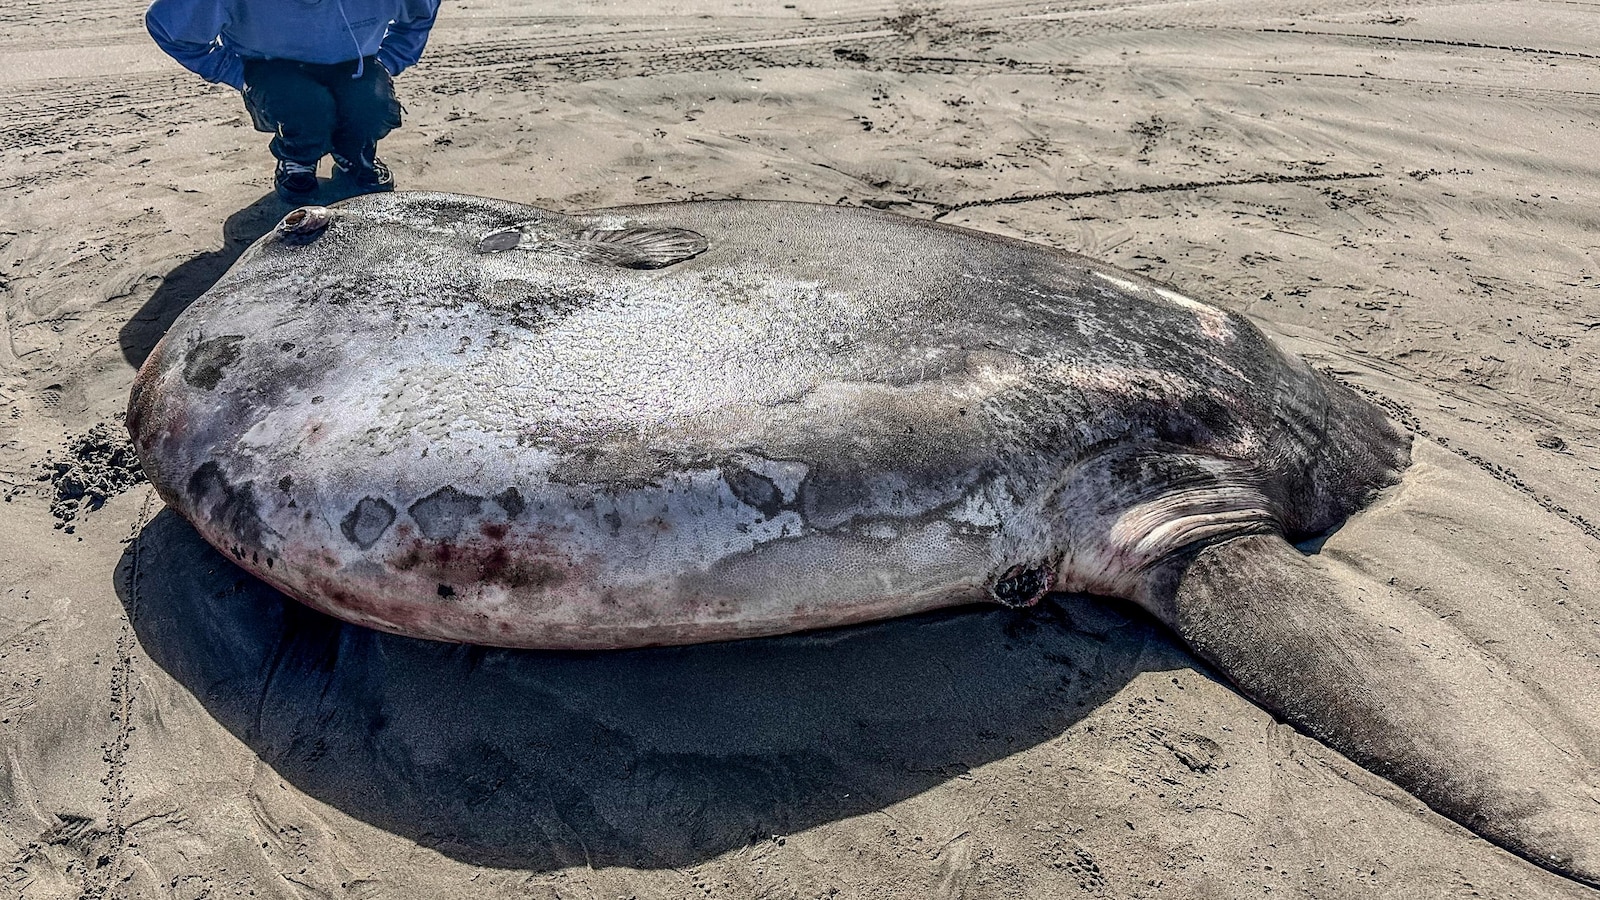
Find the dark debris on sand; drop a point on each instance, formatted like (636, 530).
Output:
(90, 469)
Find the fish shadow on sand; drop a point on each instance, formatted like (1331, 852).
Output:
(652, 758)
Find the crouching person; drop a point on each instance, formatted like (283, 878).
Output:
(315, 74)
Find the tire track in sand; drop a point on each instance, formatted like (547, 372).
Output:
(56, 111)
(103, 872)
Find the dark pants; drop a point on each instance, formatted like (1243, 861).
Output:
(313, 110)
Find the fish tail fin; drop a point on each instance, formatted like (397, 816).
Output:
(1392, 686)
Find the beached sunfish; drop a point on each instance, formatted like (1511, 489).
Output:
(472, 420)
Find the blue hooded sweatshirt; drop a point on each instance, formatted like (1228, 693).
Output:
(212, 38)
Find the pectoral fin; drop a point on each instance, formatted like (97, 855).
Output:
(629, 248)
(1394, 687)
(639, 248)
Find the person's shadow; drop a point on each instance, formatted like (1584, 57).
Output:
(649, 758)
(187, 281)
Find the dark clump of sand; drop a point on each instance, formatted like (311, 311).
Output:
(1403, 192)
(90, 469)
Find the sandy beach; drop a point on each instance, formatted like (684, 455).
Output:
(1406, 193)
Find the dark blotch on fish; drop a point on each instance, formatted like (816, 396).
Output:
(204, 365)
(754, 489)
(366, 523)
(442, 513)
(230, 506)
(510, 500)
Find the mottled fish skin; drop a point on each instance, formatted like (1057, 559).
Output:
(446, 417)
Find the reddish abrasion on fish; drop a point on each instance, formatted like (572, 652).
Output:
(397, 602)
(150, 406)
(314, 433)
(142, 396)
(347, 599)
(529, 564)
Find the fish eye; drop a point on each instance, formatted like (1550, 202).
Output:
(306, 221)
(501, 241)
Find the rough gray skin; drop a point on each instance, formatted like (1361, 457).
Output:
(472, 420)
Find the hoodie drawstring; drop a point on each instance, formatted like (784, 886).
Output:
(361, 61)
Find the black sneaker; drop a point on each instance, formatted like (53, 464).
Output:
(370, 175)
(295, 182)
